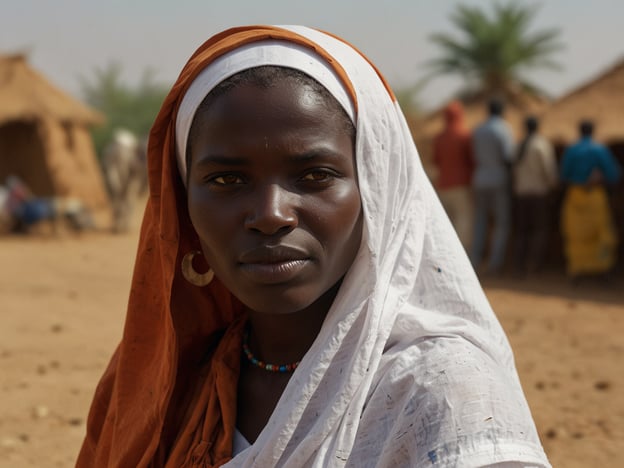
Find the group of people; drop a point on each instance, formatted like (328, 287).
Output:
(487, 183)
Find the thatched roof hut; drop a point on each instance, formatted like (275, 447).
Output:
(517, 107)
(45, 139)
(600, 99)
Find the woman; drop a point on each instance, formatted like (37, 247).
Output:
(330, 261)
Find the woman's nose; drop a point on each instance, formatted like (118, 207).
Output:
(272, 211)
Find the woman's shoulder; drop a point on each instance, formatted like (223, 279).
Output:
(440, 396)
(439, 360)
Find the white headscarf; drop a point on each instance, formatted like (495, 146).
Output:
(411, 367)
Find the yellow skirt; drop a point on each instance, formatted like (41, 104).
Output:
(588, 232)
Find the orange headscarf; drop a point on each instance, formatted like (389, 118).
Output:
(177, 337)
(452, 149)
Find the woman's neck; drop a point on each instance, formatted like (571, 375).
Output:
(285, 338)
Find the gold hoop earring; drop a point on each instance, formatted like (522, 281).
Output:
(191, 275)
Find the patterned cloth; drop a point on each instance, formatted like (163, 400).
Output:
(588, 231)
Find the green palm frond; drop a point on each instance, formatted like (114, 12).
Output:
(494, 51)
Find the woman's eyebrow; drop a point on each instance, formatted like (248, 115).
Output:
(311, 155)
(221, 160)
(296, 158)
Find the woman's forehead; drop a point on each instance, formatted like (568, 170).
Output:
(279, 53)
(290, 114)
(292, 104)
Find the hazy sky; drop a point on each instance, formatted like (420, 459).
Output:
(69, 38)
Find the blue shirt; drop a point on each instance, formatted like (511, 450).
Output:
(493, 150)
(582, 158)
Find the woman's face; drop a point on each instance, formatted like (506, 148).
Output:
(273, 195)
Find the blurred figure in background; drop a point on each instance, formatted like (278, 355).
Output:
(590, 240)
(125, 172)
(6, 218)
(493, 152)
(452, 155)
(24, 207)
(21, 210)
(534, 177)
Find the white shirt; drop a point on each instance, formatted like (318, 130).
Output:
(536, 172)
(240, 443)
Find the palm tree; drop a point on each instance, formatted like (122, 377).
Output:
(493, 52)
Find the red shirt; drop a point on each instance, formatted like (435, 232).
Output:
(452, 150)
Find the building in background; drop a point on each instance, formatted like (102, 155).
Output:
(45, 139)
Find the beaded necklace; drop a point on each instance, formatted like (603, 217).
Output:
(263, 365)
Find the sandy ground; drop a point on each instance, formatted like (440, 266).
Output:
(63, 302)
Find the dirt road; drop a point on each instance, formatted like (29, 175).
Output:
(62, 311)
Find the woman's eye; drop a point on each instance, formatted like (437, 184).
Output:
(317, 176)
(227, 179)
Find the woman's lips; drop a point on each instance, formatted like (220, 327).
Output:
(273, 273)
(273, 264)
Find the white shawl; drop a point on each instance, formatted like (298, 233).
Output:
(411, 367)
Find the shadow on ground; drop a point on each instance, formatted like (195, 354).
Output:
(555, 283)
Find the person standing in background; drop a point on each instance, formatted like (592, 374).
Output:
(125, 172)
(493, 151)
(452, 155)
(590, 240)
(534, 177)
